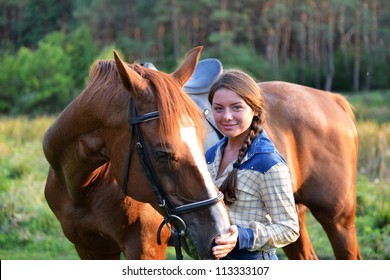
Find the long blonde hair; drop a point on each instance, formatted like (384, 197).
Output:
(245, 87)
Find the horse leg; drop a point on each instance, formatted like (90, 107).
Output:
(87, 254)
(341, 231)
(302, 248)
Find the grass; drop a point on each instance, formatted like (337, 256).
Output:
(373, 105)
(29, 230)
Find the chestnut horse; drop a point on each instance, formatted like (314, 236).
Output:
(133, 127)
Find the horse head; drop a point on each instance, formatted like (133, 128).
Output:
(165, 163)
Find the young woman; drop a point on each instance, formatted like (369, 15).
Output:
(251, 173)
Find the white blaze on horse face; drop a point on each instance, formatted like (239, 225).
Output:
(189, 136)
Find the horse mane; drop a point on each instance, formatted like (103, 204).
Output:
(176, 107)
(103, 78)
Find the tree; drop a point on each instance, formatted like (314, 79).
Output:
(36, 81)
(41, 17)
(82, 51)
(10, 19)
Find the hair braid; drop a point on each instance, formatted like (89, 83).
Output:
(229, 186)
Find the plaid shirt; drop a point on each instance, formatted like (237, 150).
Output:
(265, 210)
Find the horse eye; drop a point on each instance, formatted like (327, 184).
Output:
(166, 156)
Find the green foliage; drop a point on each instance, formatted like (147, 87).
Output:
(373, 218)
(343, 77)
(41, 17)
(82, 51)
(49, 81)
(374, 70)
(243, 57)
(9, 81)
(45, 80)
(36, 81)
(372, 106)
(107, 53)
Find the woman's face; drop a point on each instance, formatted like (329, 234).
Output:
(231, 114)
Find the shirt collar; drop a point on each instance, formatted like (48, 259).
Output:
(261, 144)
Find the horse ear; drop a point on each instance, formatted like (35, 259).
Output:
(185, 70)
(131, 80)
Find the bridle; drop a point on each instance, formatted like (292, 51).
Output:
(170, 212)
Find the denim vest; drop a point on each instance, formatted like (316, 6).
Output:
(265, 151)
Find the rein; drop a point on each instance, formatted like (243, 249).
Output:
(170, 212)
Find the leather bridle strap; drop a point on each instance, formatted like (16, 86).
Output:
(197, 205)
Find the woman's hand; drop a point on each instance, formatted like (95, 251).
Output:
(226, 243)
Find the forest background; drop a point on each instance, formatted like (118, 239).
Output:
(48, 46)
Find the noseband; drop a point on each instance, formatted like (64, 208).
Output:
(171, 213)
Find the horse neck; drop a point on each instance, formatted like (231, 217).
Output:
(73, 146)
(66, 129)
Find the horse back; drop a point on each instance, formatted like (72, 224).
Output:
(311, 128)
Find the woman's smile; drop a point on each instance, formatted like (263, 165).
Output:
(229, 126)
